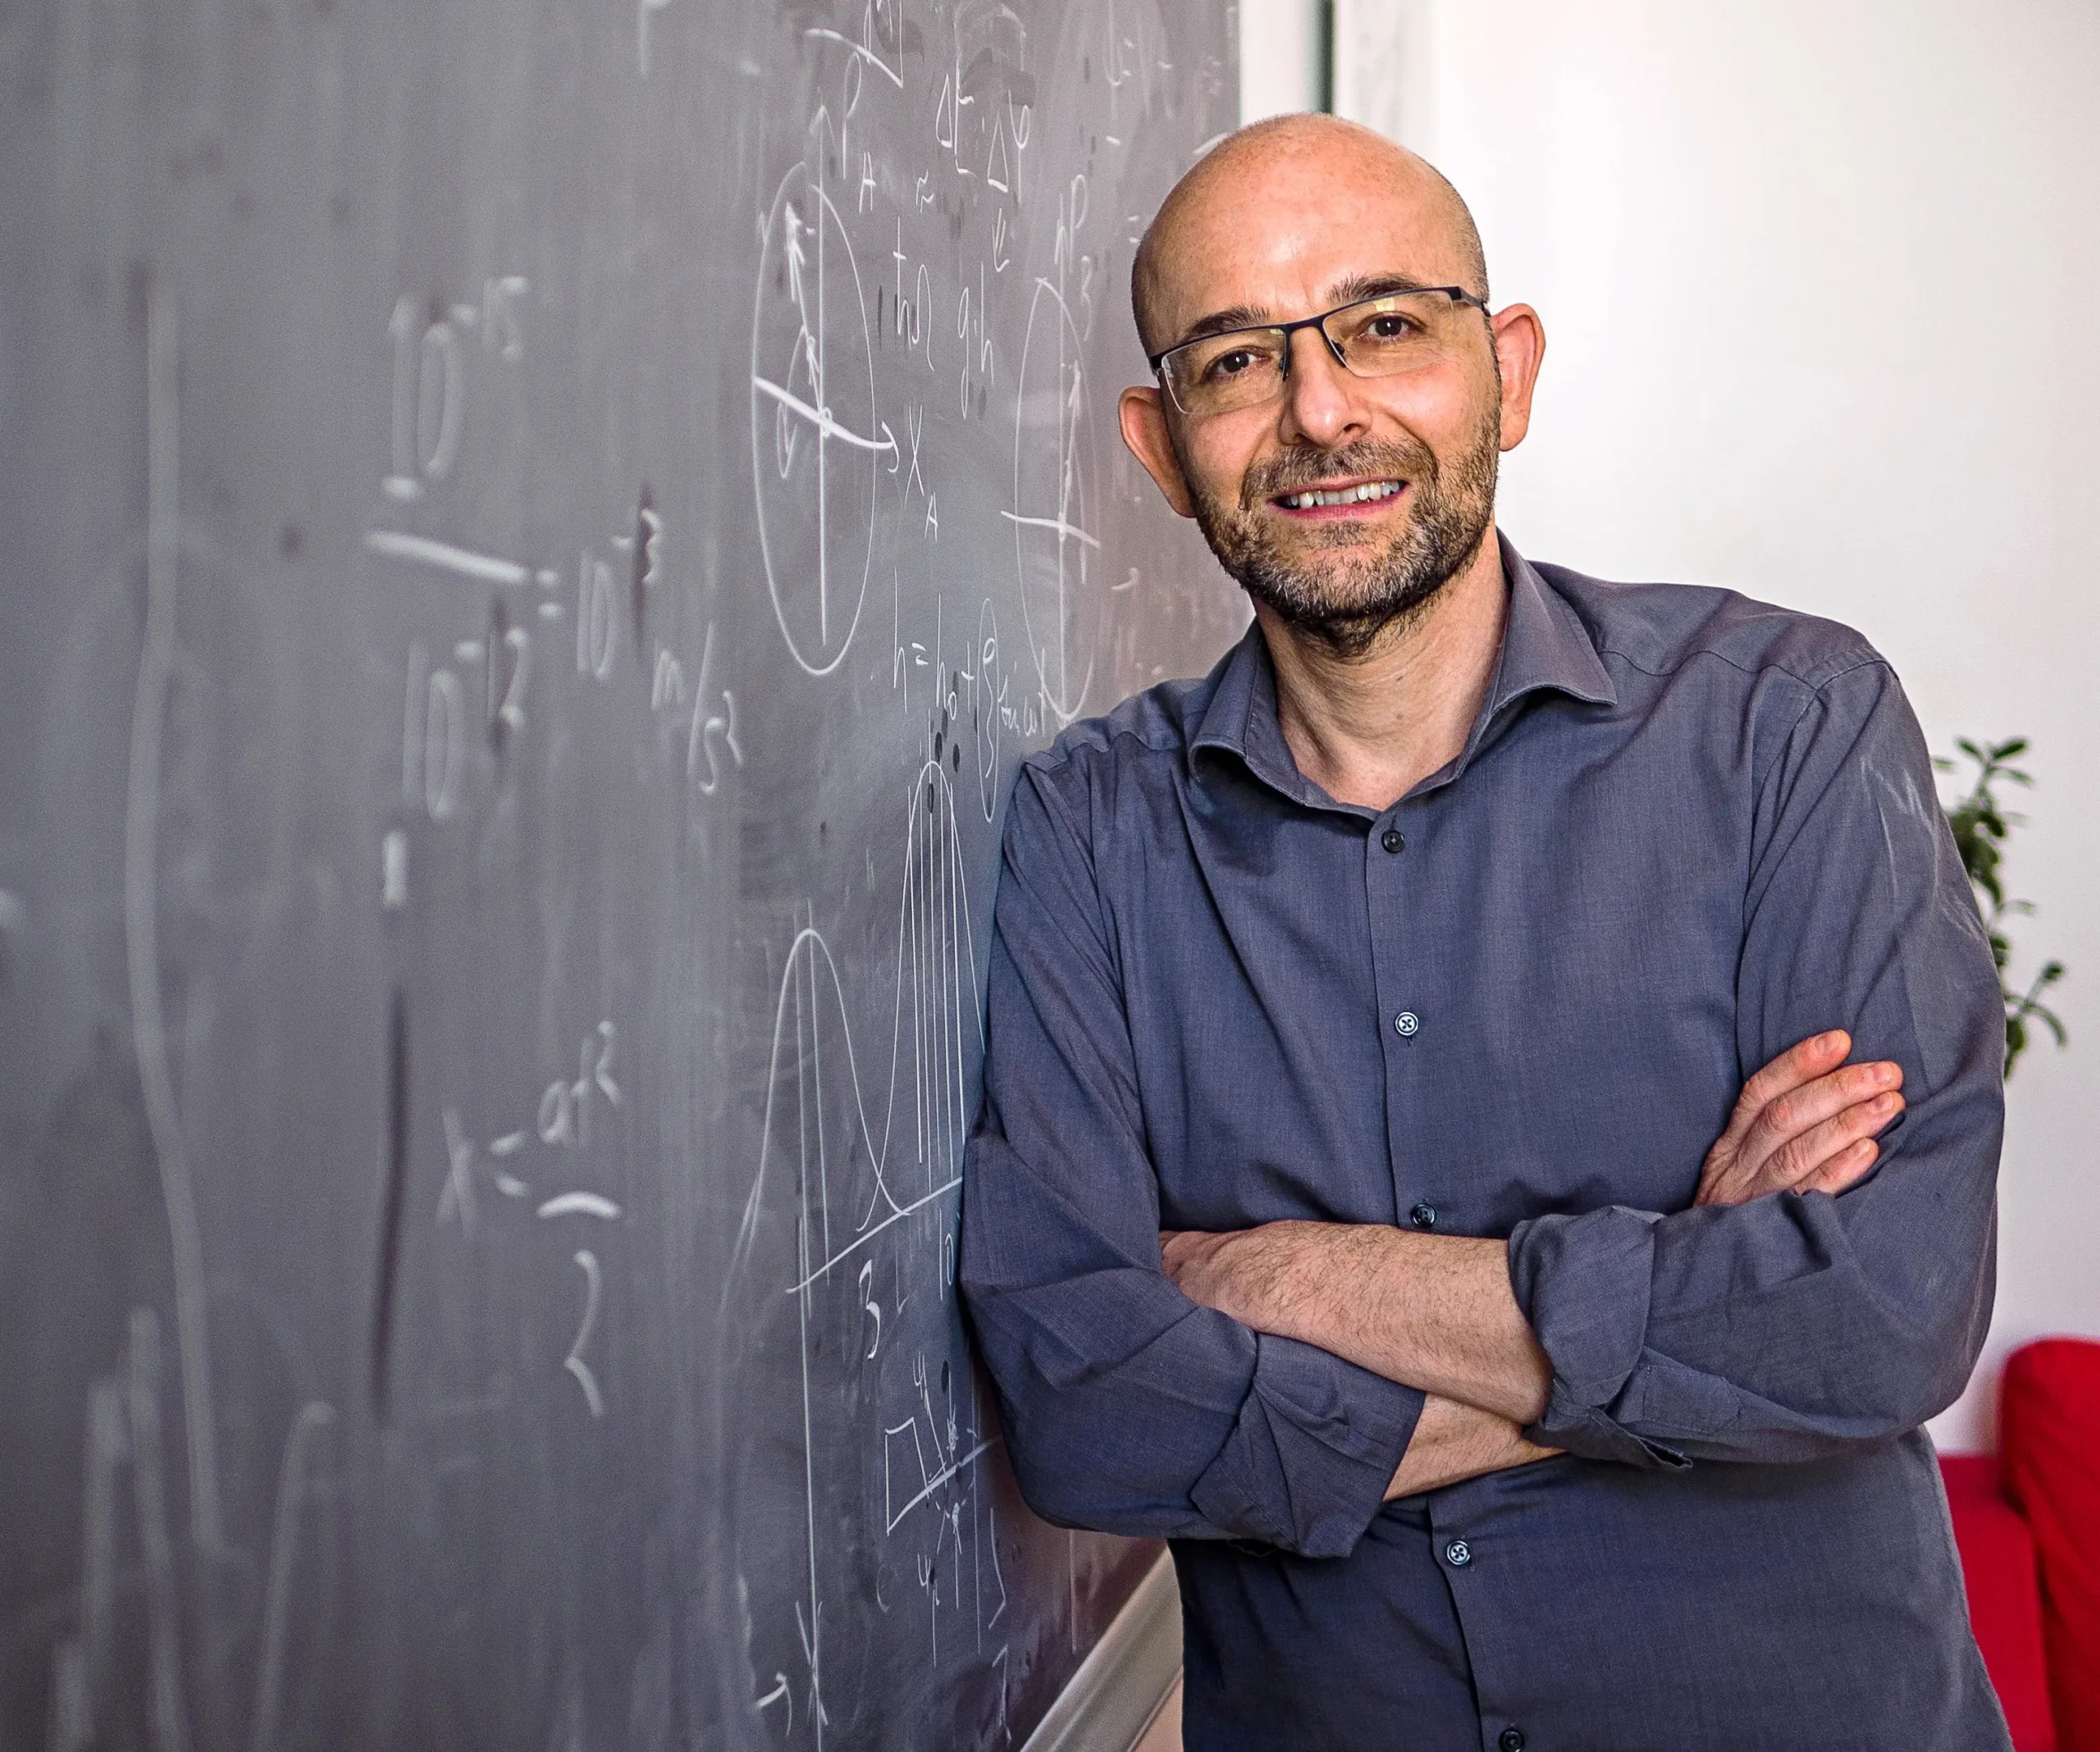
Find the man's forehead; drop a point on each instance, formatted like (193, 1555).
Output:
(1289, 213)
(1268, 262)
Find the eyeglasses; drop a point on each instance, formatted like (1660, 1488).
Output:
(1387, 336)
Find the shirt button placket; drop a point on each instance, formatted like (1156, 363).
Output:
(1488, 1597)
(1384, 876)
(1458, 1554)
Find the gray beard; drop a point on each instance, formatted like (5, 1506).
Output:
(1348, 605)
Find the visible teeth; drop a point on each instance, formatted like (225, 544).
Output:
(1345, 495)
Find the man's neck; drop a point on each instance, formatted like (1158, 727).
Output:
(1367, 729)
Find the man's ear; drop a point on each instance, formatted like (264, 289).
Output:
(1519, 347)
(1143, 416)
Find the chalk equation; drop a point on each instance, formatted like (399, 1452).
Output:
(850, 1216)
(583, 676)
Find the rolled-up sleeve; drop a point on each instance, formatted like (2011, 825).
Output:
(1799, 1324)
(1126, 1406)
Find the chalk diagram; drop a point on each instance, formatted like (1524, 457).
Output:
(121, 1669)
(987, 698)
(816, 445)
(1053, 499)
(843, 1273)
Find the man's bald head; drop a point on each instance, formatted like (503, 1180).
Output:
(1343, 486)
(1354, 160)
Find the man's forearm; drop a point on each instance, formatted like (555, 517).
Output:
(1453, 1442)
(1436, 1312)
(1431, 1311)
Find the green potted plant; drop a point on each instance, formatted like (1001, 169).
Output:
(1980, 830)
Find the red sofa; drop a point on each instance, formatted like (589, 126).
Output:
(2027, 1521)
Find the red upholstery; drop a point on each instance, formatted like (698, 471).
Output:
(2049, 1441)
(1997, 1563)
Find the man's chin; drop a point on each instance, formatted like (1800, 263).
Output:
(1347, 621)
(1345, 606)
(1336, 594)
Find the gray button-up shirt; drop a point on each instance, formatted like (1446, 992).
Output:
(1687, 831)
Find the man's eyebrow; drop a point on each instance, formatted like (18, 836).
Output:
(1223, 321)
(1373, 286)
(1347, 291)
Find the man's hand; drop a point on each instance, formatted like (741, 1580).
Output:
(1453, 1442)
(1806, 1123)
(1436, 1311)
(1258, 1275)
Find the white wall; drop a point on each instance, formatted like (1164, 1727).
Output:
(1283, 51)
(1819, 286)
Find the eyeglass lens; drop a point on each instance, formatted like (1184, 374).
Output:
(1381, 337)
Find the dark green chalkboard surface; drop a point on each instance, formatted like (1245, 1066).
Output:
(533, 535)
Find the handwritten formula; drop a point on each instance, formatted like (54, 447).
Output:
(533, 606)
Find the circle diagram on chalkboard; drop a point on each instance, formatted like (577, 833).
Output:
(815, 442)
(1053, 501)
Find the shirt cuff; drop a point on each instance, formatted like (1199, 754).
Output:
(1582, 1283)
(1309, 1462)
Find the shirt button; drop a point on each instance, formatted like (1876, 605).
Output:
(1512, 1739)
(1458, 1553)
(1423, 1216)
(1393, 841)
(1406, 1024)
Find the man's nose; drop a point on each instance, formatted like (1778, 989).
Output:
(1323, 402)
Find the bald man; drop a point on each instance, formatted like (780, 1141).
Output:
(1368, 1196)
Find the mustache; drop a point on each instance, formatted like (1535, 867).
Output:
(1297, 470)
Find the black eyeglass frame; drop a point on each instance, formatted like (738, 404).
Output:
(1158, 361)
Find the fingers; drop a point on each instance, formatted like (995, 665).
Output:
(1844, 1171)
(1799, 1122)
(1832, 1145)
(1800, 1063)
(1183, 1250)
(1793, 1115)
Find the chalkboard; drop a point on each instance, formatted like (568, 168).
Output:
(534, 535)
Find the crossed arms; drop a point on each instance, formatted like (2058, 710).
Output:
(1277, 1383)
(1437, 1313)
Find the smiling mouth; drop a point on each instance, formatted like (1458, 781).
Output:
(1320, 498)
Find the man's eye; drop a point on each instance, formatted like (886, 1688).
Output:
(1236, 363)
(1390, 328)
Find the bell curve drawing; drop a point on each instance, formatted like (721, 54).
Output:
(845, 1268)
(539, 539)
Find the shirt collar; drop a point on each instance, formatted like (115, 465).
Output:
(1544, 647)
